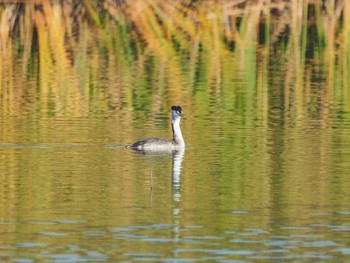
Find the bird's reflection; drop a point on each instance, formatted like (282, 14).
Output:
(178, 157)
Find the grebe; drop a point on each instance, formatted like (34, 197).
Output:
(157, 144)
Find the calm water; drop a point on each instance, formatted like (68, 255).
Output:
(241, 193)
(265, 176)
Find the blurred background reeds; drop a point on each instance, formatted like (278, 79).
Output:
(84, 57)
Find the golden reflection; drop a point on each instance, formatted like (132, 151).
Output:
(250, 63)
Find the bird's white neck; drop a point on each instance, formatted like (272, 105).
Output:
(177, 134)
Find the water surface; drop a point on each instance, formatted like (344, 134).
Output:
(265, 176)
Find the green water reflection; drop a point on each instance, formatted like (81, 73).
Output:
(264, 89)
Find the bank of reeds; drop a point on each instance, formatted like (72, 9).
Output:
(91, 56)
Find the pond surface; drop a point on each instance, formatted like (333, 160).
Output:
(240, 192)
(265, 176)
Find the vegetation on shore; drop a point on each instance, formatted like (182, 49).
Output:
(94, 56)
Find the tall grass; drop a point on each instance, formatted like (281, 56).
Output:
(92, 56)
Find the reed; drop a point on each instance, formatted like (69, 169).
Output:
(90, 54)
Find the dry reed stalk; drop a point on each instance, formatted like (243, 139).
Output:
(27, 27)
(345, 55)
(207, 32)
(7, 24)
(45, 61)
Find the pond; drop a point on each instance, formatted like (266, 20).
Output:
(264, 177)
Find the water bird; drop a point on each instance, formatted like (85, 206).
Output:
(158, 144)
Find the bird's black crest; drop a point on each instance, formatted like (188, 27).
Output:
(177, 108)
